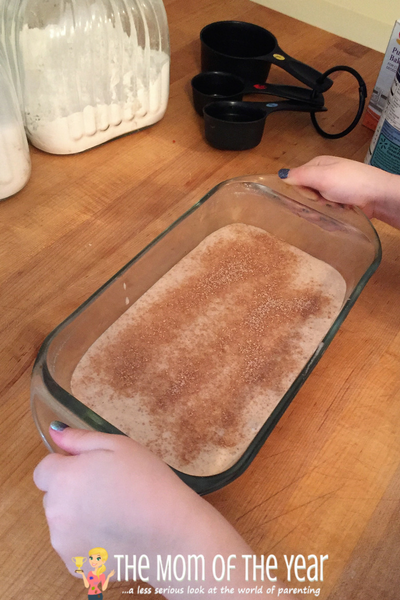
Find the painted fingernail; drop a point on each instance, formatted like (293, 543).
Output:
(58, 426)
(283, 173)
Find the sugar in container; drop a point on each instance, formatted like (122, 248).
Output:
(88, 71)
(15, 165)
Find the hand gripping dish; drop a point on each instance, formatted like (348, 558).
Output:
(198, 345)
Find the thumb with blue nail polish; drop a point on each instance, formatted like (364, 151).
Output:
(345, 181)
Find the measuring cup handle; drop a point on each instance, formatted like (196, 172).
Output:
(292, 105)
(304, 73)
(291, 92)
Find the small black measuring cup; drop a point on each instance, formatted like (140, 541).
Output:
(233, 125)
(217, 85)
(248, 50)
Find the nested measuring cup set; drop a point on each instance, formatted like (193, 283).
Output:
(236, 58)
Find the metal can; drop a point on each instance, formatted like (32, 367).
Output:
(384, 151)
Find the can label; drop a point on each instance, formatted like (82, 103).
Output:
(384, 151)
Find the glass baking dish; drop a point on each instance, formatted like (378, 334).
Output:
(340, 236)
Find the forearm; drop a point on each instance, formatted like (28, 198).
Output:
(212, 537)
(211, 554)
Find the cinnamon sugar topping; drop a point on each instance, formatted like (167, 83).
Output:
(196, 365)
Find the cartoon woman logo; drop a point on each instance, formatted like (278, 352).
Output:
(96, 577)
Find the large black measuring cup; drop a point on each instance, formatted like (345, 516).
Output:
(210, 86)
(248, 50)
(233, 125)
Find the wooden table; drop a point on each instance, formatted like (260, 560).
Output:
(327, 480)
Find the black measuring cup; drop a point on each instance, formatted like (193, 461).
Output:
(210, 86)
(248, 50)
(233, 125)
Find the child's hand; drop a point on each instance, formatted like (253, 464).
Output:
(347, 182)
(112, 493)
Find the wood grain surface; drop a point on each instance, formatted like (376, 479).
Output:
(327, 481)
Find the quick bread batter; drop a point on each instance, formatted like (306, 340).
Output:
(194, 368)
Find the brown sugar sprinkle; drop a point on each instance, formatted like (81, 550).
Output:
(195, 354)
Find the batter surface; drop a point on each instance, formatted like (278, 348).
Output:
(194, 368)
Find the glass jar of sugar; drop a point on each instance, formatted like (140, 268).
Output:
(89, 71)
(15, 164)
